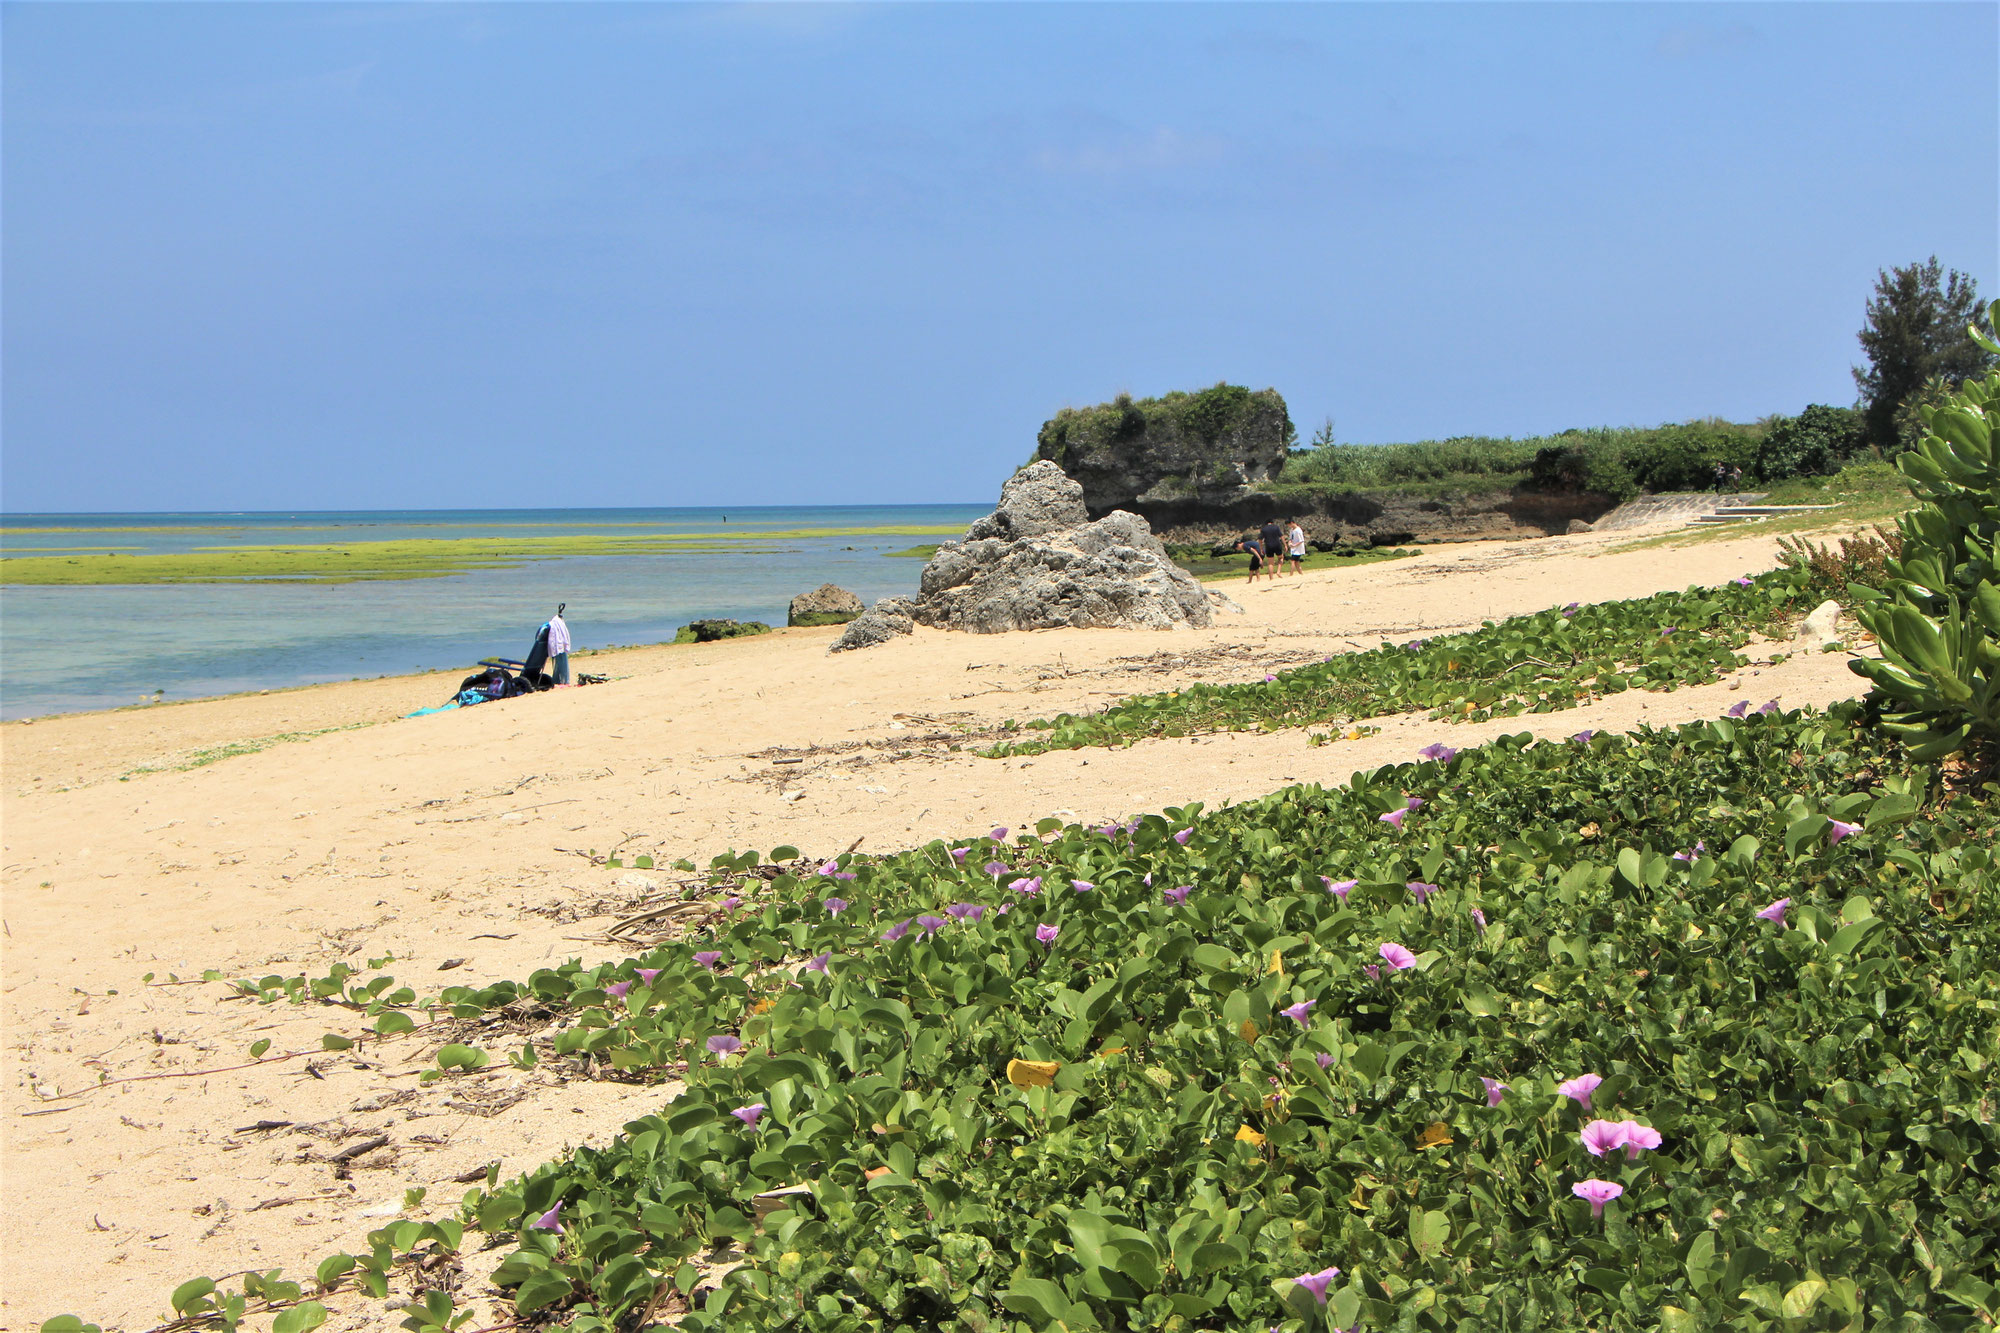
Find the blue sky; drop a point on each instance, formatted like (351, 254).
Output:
(325, 256)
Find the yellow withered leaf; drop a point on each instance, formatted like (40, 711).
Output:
(1358, 1200)
(1248, 1031)
(1434, 1135)
(762, 1006)
(1250, 1136)
(1032, 1073)
(1110, 1051)
(1277, 963)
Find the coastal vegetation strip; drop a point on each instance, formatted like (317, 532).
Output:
(1394, 1052)
(410, 558)
(207, 755)
(1539, 663)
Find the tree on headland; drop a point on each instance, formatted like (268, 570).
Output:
(1916, 342)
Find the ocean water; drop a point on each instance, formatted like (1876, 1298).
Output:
(69, 648)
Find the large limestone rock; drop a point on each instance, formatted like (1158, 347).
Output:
(825, 605)
(1039, 562)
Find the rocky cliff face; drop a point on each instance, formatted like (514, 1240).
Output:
(1039, 561)
(1183, 451)
(1357, 518)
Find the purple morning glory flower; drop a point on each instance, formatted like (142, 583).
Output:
(896, 932)
(1374, 972)
(1000, 835)
(724, 1045)
(1148, 880)
(1602, 1136)
(1479, 920)
(1339, 888)
(829, 867)
(958, 853)
(649, 975)
(1394, 817)
(618, 990)
(1443, 754)
(1300, 1012)
(750, 1114)
(1268, 678)
(1046, 934)
(1421, 891)
(1496, 1091)
(1413, 803)
(1838, 829)
(1082, 885)
(1570, 610)
(931, 925)
(1583, 737)
(996, 868)
(1580, 1088)
(1775, 912)
(818, 962)
(549, 1221)
(710, 959)
(1638, 1138)
(1324, 1059)
(846, 875)
(1741, 582)
(1739, 708)
(1031, 885)
(1598, 1192)
(731, 903)
(1396, 956)
(835, 906)
(1178, 895)
(1182, 836)
(966, 911)
(1317, 1283)
(1769, 708)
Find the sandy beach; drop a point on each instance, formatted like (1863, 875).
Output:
(462, 844)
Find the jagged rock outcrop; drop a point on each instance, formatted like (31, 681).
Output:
(878, 624)
(1039, 562)
(827, 604)
(1170, 457)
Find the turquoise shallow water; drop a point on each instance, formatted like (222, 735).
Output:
(69, 648)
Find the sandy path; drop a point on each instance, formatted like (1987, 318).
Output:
(430, 838)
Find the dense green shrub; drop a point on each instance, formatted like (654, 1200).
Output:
(1478, 460)
(1939, 621)
(1684, 458)
(1215, 416)
(1812, 444)
(1584, 461)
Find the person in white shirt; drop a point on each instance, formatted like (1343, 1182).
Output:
(1295, 545)
(558, 647)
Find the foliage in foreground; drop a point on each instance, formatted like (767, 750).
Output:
(1118, 1103)
(1536, 663)
(1939, 618)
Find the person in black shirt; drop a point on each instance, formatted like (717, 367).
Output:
(1273, 539)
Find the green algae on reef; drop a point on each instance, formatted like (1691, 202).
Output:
(412, 558)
